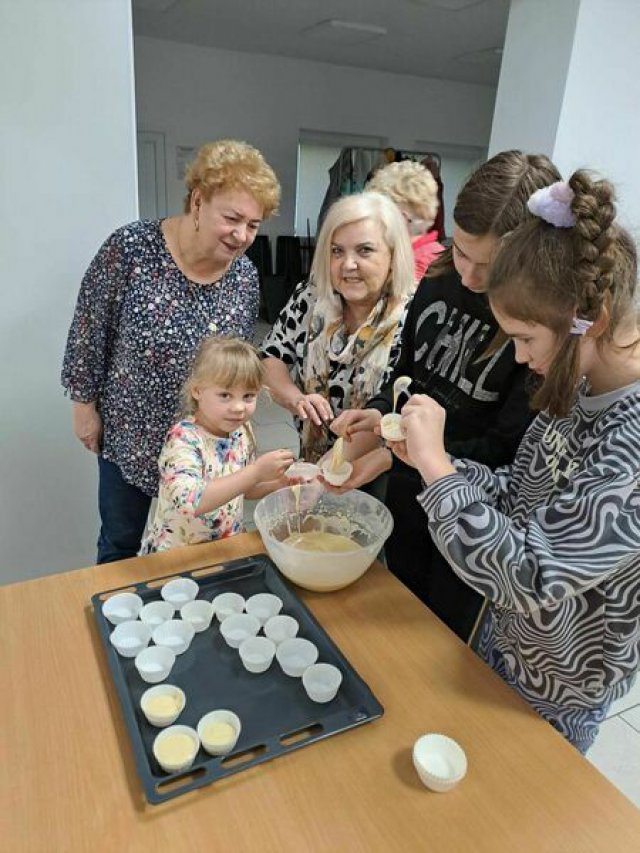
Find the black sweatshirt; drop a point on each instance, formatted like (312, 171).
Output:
(446, 333)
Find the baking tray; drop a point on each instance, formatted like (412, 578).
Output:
(276, 714)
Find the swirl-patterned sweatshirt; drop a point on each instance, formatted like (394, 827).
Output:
(553, 541)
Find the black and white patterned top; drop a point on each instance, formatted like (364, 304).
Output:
(554, 542)
(287, 341)
(137, 324)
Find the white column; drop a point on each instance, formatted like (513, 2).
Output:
(570, 88)
(68, 177)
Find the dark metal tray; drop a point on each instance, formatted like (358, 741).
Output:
(276, 714)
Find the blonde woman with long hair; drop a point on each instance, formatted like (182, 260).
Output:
(338, 338)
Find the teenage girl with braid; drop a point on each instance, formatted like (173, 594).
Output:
(553, 541)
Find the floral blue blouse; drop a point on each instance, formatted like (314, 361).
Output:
(137, 324)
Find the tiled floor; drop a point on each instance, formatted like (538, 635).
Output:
(616, 753)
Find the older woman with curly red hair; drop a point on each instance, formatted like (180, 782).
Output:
(151, 294)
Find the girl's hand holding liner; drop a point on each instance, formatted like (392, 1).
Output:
(270, 471)
(423, 423)
(272, 465)
(261, 477)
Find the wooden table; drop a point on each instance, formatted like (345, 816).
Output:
(69, 781)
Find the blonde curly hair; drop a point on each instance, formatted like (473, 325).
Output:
(410, 184)
(232, 165)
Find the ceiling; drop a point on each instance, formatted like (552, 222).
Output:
(421, 39)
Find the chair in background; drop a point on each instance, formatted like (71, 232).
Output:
(289, 258)
(278, 288)
(260, 253)
(275, 293)
(293, 261)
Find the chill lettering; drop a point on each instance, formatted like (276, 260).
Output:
(451, 351)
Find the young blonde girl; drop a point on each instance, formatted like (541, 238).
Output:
(553, 541)
(208, 461)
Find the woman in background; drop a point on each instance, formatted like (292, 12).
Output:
(415, 191)
(149, 297)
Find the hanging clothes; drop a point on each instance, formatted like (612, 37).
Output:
(349, 174)
(340, 181)
(365, 160)
(434, 167)
(355, 166)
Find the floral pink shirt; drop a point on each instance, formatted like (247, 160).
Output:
(191, 457)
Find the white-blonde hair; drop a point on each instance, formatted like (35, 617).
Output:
(410, 184)
(355, 208)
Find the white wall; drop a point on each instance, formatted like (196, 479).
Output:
(600, 124)
(454, 172)
(68, 177)
(537, 53)
(195, 94)
(314, 162)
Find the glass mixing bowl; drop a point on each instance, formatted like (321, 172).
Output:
(307, 508)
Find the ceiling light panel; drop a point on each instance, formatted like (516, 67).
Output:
(450, 5)
(154, 5)
(491, 56)
(345, 32)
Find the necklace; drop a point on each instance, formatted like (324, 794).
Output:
(202, 310)
(212, 327)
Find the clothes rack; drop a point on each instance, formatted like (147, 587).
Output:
(354, 167)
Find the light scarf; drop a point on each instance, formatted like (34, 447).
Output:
(367, 351)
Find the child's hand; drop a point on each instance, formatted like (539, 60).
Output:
(423, 424)
(351, 421)
(272, 465)
(282, 482)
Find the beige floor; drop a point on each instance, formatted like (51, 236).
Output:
(616, 752)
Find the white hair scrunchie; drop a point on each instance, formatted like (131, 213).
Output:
(580, 326)
(553, 204)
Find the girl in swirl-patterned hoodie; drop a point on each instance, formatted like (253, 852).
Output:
(553, 541)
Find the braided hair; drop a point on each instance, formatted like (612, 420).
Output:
(549, 275)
